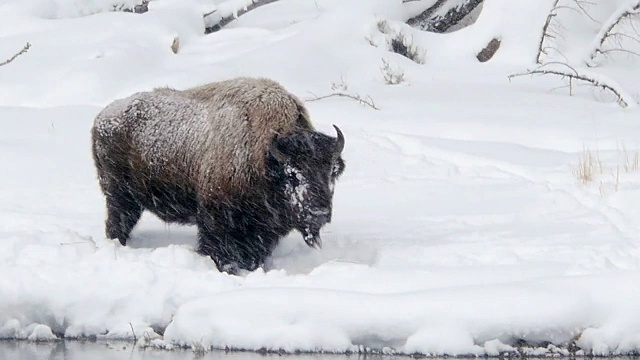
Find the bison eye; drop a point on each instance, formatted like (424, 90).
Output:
(337, 169)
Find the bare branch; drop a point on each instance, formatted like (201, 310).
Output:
(625, 36)
(597, 80)
(581, 6)
(209, 13)
(26, 48)
(620, 50)
(545, 32)
(566, 7)
(364, 101)
(606, 32)
(135, 338)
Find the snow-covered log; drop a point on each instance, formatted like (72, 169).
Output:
(230, 10)
(215, 20)
(140, 8)
(443, 14)
(488, 51)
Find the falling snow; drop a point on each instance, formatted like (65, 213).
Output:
(459, 226)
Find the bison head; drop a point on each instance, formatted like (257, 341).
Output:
(311, 162)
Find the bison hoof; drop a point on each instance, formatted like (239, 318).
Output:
(234, 268)
(229, 268)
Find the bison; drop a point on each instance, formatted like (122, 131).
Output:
(238, 158)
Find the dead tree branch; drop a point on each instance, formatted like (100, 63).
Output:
(443, 15)
(135, 338)
(551, 22)
(606, 32)
(597, 80)
(364, 101)
(581, 5)
(209, 13)
(545, 32)
(235, 14)
(26, 48)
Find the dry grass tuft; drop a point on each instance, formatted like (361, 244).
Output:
(588, 166)
(631, 160)
(392, 75)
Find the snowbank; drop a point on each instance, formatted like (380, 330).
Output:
(440, 322)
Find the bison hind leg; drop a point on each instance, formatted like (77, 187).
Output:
(123, 213)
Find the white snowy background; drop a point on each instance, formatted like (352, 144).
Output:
(460, 226)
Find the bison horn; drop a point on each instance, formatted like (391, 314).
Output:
(339, 140)
(275, 152)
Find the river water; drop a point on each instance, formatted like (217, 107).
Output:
(85, 350)
(78, 350)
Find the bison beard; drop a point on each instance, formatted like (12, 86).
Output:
(312, 237)
(169, 152)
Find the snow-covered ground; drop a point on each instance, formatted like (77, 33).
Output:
(459, 228)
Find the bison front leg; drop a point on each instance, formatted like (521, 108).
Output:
(123, 214)
(225, 238)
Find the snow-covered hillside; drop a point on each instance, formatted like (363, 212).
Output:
(463, 225)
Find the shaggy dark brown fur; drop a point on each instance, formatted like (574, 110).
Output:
(238, 158)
